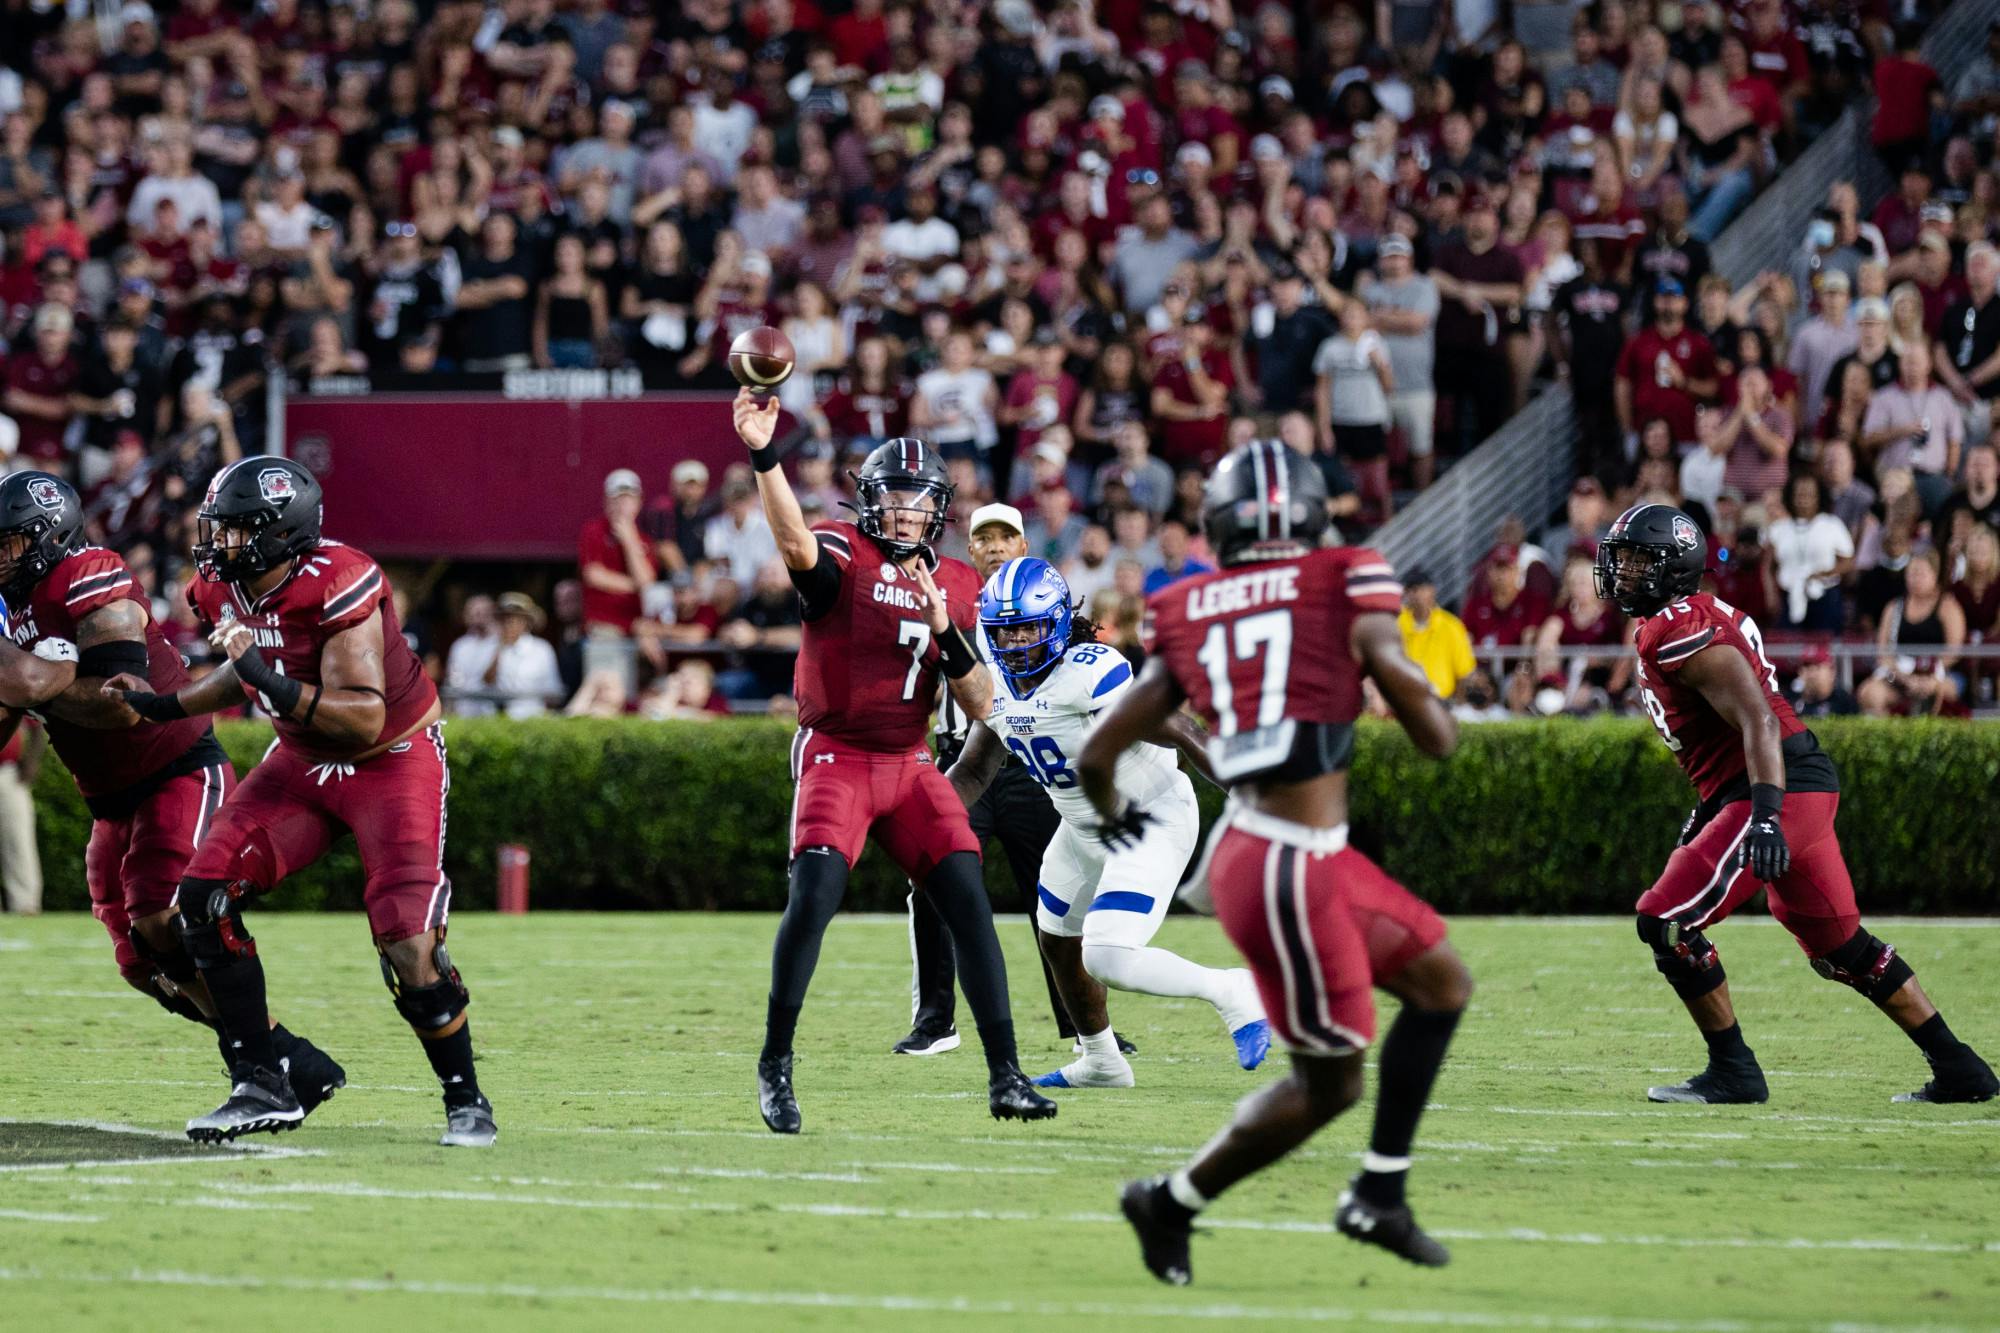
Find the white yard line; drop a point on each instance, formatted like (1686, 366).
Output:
(23, 1215)
(900, 1304)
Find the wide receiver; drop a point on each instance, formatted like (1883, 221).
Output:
(75, 618)
(360, 749)
(1099, 902)
(885, 616)
(1768, 799)
(1271, 650)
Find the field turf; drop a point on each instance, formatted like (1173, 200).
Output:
(633, 1185)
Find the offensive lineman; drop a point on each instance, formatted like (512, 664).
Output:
(1257, 649)
(885, 616)
(76, 618)
(1765, 787)
(360, 748)
(1099, 904)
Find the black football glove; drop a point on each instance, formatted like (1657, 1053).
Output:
(1123, 829)
(154, 707)
(1763, 851)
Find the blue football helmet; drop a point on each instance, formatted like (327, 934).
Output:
(1026, 591)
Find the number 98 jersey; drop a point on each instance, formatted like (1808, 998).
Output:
(1045, 730)
(1262, 651)
(1709, 749)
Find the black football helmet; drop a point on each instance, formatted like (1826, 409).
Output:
(1264, 501)
(274, 500)
(46, 512)
(1652, 556)
(902, 466)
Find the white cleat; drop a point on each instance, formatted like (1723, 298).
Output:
(1087, 1074)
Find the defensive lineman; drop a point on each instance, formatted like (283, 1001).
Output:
(1768, 799)
(1099, 902)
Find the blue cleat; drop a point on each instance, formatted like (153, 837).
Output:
(1253, 1043)
(1052, 1079)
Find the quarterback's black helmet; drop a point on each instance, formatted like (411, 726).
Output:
(902, 466)
(1652, 556)
(274, 500)
(42, 516)
(1265, 501)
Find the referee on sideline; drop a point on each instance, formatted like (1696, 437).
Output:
(1013, 809)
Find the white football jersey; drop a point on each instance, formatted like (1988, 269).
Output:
(1045, 730)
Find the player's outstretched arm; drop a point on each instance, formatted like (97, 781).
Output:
(110, 640)
(218, 690)
(1138, 715)
(756, 422)
(1378, 646)
(1179, 732)
(29, 680)
(977, 763)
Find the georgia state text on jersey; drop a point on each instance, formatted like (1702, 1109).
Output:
(105, 762)
(1708, 747)
(868, 665)
(1261, 650)
(330, 588)
(1046, 729)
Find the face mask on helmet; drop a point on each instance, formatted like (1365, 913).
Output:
(228, 551)
(1025, 647)
(903, 515)
(1026, 612)
(1632, 577)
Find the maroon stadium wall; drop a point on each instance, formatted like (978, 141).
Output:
(487, 477)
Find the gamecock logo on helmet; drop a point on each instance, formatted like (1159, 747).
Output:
(1686, 535)
(275, 484)
(45, 493)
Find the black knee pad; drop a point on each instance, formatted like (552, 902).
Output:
(1870, 966)
(211, 922)
(429, 1009)
(1683, 956)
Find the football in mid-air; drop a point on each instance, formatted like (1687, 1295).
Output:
(762, 358)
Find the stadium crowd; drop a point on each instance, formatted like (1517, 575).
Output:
(1081, 247)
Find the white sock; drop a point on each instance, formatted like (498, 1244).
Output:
(1101, 1047)
(1151, 971)
(1184, 1192)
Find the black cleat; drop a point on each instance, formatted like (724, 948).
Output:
(775, 1101)
(1011, 1097)
(1124, 1047)
(928, 1038)
(315, 1075)
(1163, 1227)
(1394, 1229)
(261, 1102)
(469, 1125)
(1964, 1079)
(1718, 1085)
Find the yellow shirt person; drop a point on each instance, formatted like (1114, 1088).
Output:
(1439, 643)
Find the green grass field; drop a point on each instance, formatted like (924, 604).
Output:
(633, 1185)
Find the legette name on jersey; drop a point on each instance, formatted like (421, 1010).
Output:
(1257, 587)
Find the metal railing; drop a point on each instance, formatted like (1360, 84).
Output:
(1525, 467)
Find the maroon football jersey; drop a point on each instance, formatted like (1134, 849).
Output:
(1708, 747)
(1607, 628)
(330, 589)
(101, 761)
(868, 668)
(1261, 648)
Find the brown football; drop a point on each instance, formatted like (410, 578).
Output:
(762, 358)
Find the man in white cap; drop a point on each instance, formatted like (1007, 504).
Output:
(680, 524)
(1014, 808)
(1404, 306)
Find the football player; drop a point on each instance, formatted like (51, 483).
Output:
(1014, 810)
(311, 634)
(1099, 904)
(885, 618)
(1271, 650)
(76, 618)
(1768, 796)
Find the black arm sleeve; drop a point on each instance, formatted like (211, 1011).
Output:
(819, 587)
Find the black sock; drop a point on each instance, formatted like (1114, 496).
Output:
(1411, 1056)
(781, 1023)
(819, 880)
(998, 1041)
(451, 1061)
(937, 974)
(1727, 1045)
(960, 898)
(1936, 1040)
(1169, 1208)
(237, 988)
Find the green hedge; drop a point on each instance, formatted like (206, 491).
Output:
(1555, 816)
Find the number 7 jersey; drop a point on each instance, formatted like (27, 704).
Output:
(1709, 749)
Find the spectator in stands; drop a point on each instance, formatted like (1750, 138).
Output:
(473, 649)
(1665, 369)
(1904, 91)
(1976, 501)
(1915, 424)
(495, 330)
(613, 562)
(1813, 552)
(1092, 570)
(678, 526)
(1056, 530)
(1353, 404)
(1480, 283)
(1286, 335)
(1755, 436)
(1148, 482)
(686, 694)
(1148, 252)
(1435, 639)
(20, 858)
(1403, 307)
(1823, 340)
(956, 405)
(1848, 498)
(1500, 612)
(1816, 691)
(739, 538)
(767, 623)
(1968, 339)
(572, 313)
(40, 379)
(1582, 619)
(1920, 633)
(520, 665)
(1176, 560)
(1191, 397)
(1585, 519)
(1721, 150)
